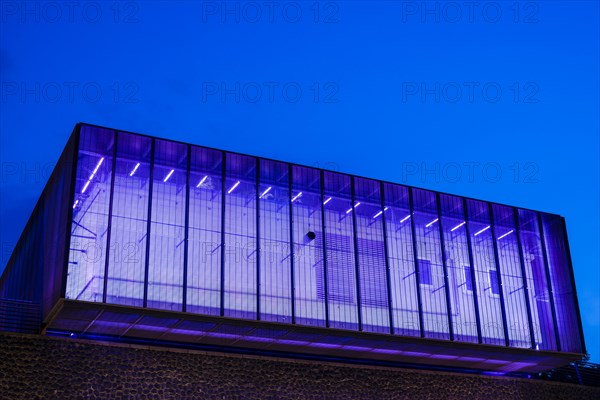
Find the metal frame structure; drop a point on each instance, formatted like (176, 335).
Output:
(452, 302)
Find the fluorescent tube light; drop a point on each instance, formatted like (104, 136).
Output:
(296, 197)
(431, 223)
(265, 192)
(233, 187)
(506, 234)
(134, 169)
(458, 226)
(483, 230)
(168, 175)
(92, 175)
(202, 181)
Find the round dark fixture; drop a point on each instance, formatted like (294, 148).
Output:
(311, 235)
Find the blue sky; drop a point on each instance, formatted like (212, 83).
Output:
(497, 101)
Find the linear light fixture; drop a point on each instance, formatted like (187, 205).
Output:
(327, 201)
(168, 175)
(405, 218)
(134, 169)
(202, 181)
(265, 192)
(379, 213)
(92, 175)
(431, 223)
(356, 205)
(296, 197)
(233, 187)
(75, 205)
(506, 234)
(483, 230)
(458, 226)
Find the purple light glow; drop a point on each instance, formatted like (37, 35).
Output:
(506, 234)
(405, 218)
(134, 169)
(168, 176)
(296, 197)
(431, 223)
(458, 226)
(327, 201)
(92, 175)
(481, 231)
(202, 181)
(75, 205)
(233, 187)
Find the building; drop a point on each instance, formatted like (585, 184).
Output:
(138, 238)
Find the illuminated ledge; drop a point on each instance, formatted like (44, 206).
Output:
(156, 326)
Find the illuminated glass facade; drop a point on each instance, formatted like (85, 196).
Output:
(169, 226)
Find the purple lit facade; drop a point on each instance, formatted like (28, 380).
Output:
(202, 238)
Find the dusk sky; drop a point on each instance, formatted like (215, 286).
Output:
(493, 100)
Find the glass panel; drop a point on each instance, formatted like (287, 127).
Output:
(433, 291)
(539, 293)
(204, 245)
(339, 237)
(129, 224)
(85, 279)
(512, 278)
(371, 257)
(309, 284)
(240, 237)
(460, 283)
(167, 230)
(275, 250)
(405, 307)
(482, 247)
(562, 283)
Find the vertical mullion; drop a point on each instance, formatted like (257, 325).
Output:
(69, 220)
(548, 278)
(149, 223)
(292, 255)
(223, 189)
(388, 279)
(110, 209)
(498, 273)
(524, 276)
(573, 286)
(258, 250)
(187, 226)
(324, 244)
(444, 265)
(416, 259)
(472, 267)
(356, 260)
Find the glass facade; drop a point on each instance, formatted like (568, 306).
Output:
(169, 226)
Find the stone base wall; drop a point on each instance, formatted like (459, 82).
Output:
(41, 367)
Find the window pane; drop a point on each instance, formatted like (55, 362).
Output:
(433, 291)
(562, 284)
(275, 249)
(462, 301)
(204, 245)
(167, 230)
(309, 284)
(339, 237)
(87, 254)
(539, 293)
(482, 246)
(405, 308)
(513, 286)
(240, 237)
(371, 257)
(127, 267)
